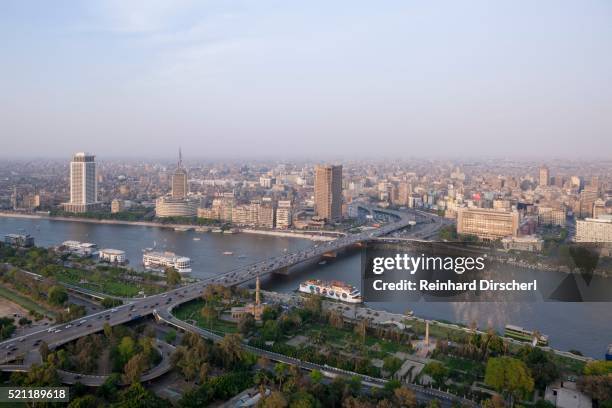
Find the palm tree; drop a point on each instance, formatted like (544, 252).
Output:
(231, 348)
(209, 313)
(280, 372)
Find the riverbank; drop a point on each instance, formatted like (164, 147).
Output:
(440, 329)
(310, 235)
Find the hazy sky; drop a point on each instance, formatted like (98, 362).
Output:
(306, 78)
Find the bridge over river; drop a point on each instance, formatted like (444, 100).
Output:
(161, 305)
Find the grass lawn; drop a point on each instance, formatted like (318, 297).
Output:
(191, 311)
(106, 283)
(340, 337)
(25, 302)
(569, 365)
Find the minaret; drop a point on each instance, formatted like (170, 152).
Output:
(257, 300)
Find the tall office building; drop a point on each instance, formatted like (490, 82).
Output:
(487, 224)
(179, 180)
(83, 184)
(588, 196)
(328, 192)
(544, 176)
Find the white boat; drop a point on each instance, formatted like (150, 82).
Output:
(228, 253)
(333, 290)
(161, 260)
(196, 239)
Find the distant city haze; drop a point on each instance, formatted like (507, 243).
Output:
(319, 79)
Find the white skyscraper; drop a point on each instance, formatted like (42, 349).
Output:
(83, 183)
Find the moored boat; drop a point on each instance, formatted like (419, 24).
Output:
(333, 290)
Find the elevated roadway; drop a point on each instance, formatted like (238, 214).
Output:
(55, 336)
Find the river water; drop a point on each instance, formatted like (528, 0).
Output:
(582, 326)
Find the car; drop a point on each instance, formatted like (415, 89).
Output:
(77, 377)
(82, 321)
(113, 310)
(21, 340)
(89, 325)
(68, 326)
(57, 331)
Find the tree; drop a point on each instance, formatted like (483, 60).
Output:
(43, 349)
(280, 372)
(335, 319)
(405, 397)
(134, 367)
(437, 371)
(316, 376)
(87, 401)
(231, 350)
(496, 401)
(434, 403)
(109, 388)
(57, 295)
(108, 331)
(543, 369)
(361, 328)
(246, 324)
(600, 367)
(173, 277)
(275, 400)
(125, 350)
(302, 399)
(599, 387)
(107, 303)
(136, 396)
(391, 364)
(170, 336)
(209, 313)
(509, 375)
(7, 327)
(313, 304)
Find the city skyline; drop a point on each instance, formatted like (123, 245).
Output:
(241, 80)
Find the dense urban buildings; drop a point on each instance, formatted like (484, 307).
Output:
(83, 184)
(328, 192)
(487, 223)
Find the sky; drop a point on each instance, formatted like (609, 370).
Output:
(282, 79)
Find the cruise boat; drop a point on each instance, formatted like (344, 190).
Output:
(161, 260)
(518, 333)
(332, 290)
(83, 249)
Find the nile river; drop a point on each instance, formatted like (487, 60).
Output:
(583, 326)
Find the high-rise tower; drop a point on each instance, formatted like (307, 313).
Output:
(328, 192)
(83, 183)
(544, 176)
(179, 180)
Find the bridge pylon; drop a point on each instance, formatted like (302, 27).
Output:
(282, 271)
